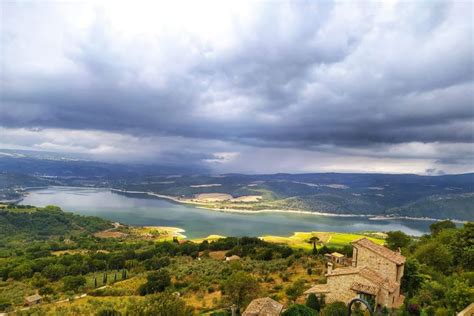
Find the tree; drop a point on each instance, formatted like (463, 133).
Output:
(313, 302)
(156, 282)
(437, 227)
(240, 287)
(295, 290)
(73, 283)
(163, 304)
(315, 241)
(299, 310)
(397, 239)
(335, 309)
(54, 272)
(463, 247)
(459, 295)
(435, 255)
(412, 278)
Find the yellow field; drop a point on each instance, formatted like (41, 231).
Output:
(208, 238)
(329, 239)
(300, 239)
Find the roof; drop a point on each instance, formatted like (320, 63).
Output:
(263, 307)
(342, 271)
(368, 274)
(337, 254)
(318, 289)
(33, 298)
(381, 250)
(372, 276)
(365, 288)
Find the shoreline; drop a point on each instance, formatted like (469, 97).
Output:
(239, 211)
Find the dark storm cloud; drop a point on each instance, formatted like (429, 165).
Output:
(289, 74)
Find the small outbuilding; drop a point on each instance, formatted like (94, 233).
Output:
(336, 257)
(33, 299)
(263, 307)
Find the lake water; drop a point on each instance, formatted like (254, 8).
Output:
(145, 210)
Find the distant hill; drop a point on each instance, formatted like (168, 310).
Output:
(446, 196)
(443, 206)
(32, 223)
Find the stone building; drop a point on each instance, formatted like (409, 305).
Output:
(337, 258)
(375, 275)
(263, 307)
(33, 299)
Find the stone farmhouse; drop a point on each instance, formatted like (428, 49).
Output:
(375, 276)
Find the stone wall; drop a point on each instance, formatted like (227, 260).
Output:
(340, 287)
(368, 258)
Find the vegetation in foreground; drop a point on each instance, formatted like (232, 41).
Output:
(79, 272)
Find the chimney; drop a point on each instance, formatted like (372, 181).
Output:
(399, 250)
(354, 257)
(329, 268)
(233, 308)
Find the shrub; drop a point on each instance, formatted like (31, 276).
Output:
(299, 310)
(335, 309)
(108, 311)
(162, 304)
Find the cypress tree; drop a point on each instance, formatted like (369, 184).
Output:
(313, 302)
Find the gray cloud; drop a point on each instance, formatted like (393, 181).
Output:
(344, 78)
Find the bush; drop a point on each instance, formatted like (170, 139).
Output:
(335, 309)
(299, 310)
(108, 311)
(4, 304)
(295, 290)
(162, 304)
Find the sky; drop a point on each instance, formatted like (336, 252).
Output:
(243, 86)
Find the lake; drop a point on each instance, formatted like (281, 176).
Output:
(145, 210)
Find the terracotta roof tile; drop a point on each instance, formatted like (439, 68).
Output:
(381, 250)
(318, 288)
(365, 288)
(372, 276)
(342, 271)
(263, 307)
(376, 278)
